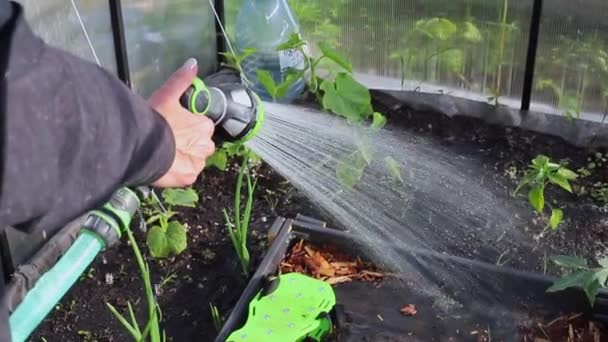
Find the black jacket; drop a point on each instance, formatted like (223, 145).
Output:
(71, 134)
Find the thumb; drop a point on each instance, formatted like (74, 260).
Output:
(181, 79)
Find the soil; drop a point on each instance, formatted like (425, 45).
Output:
(570, 328)
(506, 153)
(208, 271)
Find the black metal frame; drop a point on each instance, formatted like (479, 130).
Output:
(220, 41)
(531, 55)
(120, 45)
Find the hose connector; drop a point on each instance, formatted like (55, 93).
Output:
(110, 221)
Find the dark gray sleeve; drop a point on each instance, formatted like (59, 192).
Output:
(72, 134)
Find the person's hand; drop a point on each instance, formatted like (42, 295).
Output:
(193, 144)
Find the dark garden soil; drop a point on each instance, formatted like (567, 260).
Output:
(208, 271)
(505, 154)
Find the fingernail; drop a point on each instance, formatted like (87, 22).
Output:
(191, 63)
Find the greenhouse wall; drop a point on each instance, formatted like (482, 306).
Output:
(162, 34)
(56, 22)
(474, 49)
(159, 34)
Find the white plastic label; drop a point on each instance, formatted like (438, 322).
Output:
(291, 58)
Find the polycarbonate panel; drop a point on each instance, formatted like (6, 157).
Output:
(464, 47)
(571, 73)
(162, 34)
(56, 22)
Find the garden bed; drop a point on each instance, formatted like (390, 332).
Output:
(208, 271)
(374, 304)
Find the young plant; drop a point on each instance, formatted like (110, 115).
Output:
(228, 150)
(542, 172)
(238, 229)
(235, 61)
(436, 43)
(591, 279)
(570, 103)
(216, 317)
(168, 237)
(152, 327)
(338, 91)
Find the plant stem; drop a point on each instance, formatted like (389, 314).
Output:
(145, 275)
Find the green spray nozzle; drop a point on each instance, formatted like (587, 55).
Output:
(236, 111)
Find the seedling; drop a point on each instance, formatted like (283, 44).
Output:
(216, 317)
(220, 158)
(581, 275)
(439, 41)
(152, 327)
(542, 172)
(168, 237)
(338, 92)
(570, 103)
(238, 229)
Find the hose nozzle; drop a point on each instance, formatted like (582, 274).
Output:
(236, 111)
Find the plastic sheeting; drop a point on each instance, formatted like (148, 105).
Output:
(162, 34)
(56, 22)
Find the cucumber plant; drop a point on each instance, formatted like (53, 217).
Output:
(590, 279)
(339, 93)
(543, 172)
(168, 236)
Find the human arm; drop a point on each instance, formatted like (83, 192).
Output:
(72, 134)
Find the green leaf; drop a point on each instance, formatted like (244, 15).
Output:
(265, 77)
(570, 261)
(604, 262)
(602, 276)
(132, 330)
(234, 149)
(350, 170)
(471, 33)
(347, 97)
(537, 198)
(557, 216)
(366, 151)
(577, 278)
(293, 42)
(394, 168)
(335, 56)
(592, 288)
(185, 197)
(557, 179)
(153, 219)
(440, 28)
(525, 180)
(540, 161)
(567, 174)
(379, 121)
(177, 240)
(219, 160)
(246, 53)
(553, 166)
(453, 59)
(282, 88)
(157, 243)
